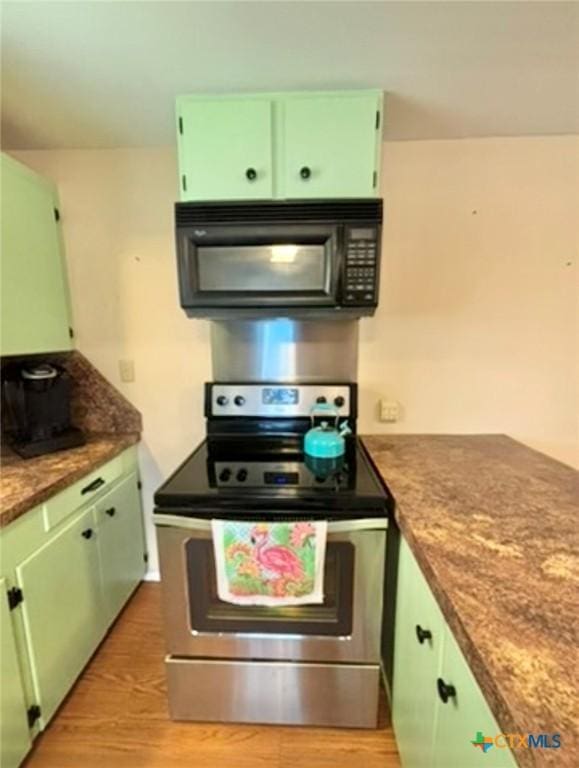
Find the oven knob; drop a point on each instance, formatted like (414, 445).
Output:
(242, 476)
(339, 401)
(224, 475)
(321, 399)
(239, 400)
(222, 400)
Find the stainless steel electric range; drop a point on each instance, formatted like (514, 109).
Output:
(309, 664)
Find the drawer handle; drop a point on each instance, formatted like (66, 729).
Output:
(445, 691)
(251, 174)
(111, 512)
(422, 634)
(88, 533)
(93, 486)
(305, 172)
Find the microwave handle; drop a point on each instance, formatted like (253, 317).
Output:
(334, 526)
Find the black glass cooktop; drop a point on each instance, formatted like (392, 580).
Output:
(233, 477)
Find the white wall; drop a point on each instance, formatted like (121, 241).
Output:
(477, 329)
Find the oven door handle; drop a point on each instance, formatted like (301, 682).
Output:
(334, 526)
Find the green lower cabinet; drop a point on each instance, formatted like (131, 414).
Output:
(437, 707)
(15, 738)
(62, 609)
(464, 714)
(419, 630)
(120, 544)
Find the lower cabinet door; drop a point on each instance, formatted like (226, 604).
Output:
(62, 609)
(464, 717)
(121, 544)
(417, 651)
(14, 733)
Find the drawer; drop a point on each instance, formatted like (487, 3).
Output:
(82, 492)
(337, 695)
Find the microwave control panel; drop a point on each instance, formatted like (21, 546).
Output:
(361, 267)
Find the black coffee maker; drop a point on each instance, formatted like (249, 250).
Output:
(36, 415)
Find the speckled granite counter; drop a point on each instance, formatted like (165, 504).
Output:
(495, 528)
(25, 483)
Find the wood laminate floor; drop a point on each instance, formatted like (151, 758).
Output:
(116, 717)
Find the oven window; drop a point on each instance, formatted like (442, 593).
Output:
(263, 268)
(209, 614)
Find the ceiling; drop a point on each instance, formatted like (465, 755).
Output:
(105, 74)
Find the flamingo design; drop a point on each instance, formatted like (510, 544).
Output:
(280, 560)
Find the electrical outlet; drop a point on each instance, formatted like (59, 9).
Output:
(127, 370)
(389, 410)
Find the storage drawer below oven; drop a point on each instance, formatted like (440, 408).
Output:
(280, 693)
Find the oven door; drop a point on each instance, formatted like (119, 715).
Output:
(258, 266)
(346, 627)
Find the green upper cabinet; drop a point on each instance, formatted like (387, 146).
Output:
(14, 732)
(35, 311)
(225, 148)
(331, 145)
(280, 145)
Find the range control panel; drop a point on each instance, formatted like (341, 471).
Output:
(277, 400)
(272, 474)
(361, 268)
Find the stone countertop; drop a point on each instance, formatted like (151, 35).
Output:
(495, 528)
(25, 483)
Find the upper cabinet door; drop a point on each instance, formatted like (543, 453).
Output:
(225, 148)
(34, 293)
(331, 145)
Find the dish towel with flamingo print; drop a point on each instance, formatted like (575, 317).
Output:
(270, 563)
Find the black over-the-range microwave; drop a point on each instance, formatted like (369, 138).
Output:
(279, 258)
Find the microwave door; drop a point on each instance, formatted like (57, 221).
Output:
(261, 267)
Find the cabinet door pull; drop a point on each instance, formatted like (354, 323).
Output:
(422, 634)
(305, 172)
(251, 174)
(111, 512)
(92, 486)
(445, 691)
(88, 533)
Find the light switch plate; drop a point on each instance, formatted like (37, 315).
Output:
(389, 410)
(127, 370)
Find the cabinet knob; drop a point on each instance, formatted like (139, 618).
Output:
(88, 533)
(251, 174)
(445, 691)
(111, 512)
(422, 634)
(305, 172)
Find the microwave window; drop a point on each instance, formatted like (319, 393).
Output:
(256, 268)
